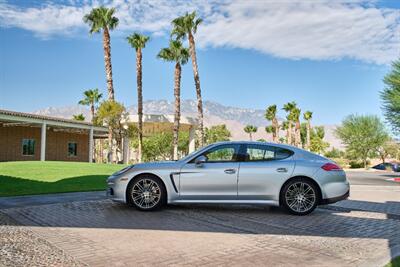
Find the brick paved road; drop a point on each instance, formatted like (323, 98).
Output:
(356, 232)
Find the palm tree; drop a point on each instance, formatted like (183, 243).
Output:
(102, 18)
(78, 117)
(177, 53)
(288, 107)
(270, 129)
(91, 98)
(308, 116)
(284, 127)
(185, 27)
(270, 114)
(138, 41)
(250, 129)
(296, 119)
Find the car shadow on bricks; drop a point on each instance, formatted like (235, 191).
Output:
(352, 220)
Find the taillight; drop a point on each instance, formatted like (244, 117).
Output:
(331, 167)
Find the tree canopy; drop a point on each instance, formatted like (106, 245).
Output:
(362, 135)
(101, 18)
(391, 96)
(137, 40)
(217, 133)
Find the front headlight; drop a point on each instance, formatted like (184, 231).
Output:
(124, 170)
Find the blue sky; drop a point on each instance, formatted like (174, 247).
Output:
(331, 61)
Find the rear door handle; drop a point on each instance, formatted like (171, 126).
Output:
(230, 171)
(281, 170)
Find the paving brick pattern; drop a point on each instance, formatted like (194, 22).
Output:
(103, 233)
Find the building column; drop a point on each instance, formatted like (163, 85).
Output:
(91, 145)
(192, 139)
(43, 142)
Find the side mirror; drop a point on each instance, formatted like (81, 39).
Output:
(200, 160)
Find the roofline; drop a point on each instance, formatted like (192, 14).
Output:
(34, 118)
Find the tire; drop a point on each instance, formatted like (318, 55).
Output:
(300, 196)
(146, 193)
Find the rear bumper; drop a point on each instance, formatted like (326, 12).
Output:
(335, 199)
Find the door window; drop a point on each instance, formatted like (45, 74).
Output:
(224, 153)
(265, 153)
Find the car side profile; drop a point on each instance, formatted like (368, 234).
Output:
(234, 172)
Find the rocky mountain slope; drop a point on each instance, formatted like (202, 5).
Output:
(214, 113)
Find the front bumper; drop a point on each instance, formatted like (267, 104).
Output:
(335, 199)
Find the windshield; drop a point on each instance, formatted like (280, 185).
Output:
(194, 152)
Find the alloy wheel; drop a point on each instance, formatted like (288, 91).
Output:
(146, 193)
(300, 197)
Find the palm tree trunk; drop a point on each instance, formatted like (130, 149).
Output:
(297, 134)
(107, 61)
(110, 87)
(308, 135)
(289, 133)
(92, 111)
(140, 101)
(276, 130)
(192, 49)
(177, 93)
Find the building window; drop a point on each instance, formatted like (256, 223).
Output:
(28, 147)
(72, 149)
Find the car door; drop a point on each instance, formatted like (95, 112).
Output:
(263, 170)
(215, 179)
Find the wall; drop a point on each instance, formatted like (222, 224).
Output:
(56, 144)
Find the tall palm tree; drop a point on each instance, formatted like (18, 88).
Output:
(270, 129)
(288, 107)
(270, 114)
(177, 53)
(138, 42)
(185, 27)
(91, 98)
(250, 129)
(284, 127)
(308, 116)
(296, 119)
(102, 18)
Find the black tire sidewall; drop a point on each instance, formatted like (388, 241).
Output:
(283, 196)
(163, 198)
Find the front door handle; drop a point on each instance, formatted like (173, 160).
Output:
(230, 171)
(281, 170)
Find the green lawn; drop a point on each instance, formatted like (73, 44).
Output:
(394, 263)
(35, 177)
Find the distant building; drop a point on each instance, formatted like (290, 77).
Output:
(25, 136)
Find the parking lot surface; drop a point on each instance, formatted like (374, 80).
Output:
(362, 231)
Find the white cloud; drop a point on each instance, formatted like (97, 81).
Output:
(316, 30)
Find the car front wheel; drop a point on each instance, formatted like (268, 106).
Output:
(299, 196)
(146, 193)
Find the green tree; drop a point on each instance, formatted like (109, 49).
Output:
(113, 114)
(317, 144)
(270, 130)
(138, 42)
(180, 55)
(289, 107)
(388, 149)
(334, 153)
(250, 129)
(78, 117)
(217, 133)
(270, 114)
(362, 135)
(91, 98)
(308, 116)
(185, 27)
(391, 96)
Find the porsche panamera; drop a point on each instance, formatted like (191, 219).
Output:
(234, 173)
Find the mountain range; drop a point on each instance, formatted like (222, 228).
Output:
(214, 113)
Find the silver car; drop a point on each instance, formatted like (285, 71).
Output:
(234, 172)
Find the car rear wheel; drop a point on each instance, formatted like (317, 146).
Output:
(299, 196)
(147, 193)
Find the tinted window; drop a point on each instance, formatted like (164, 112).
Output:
(265, 153)
(28, 147)
(72, 149)
(223, 153)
